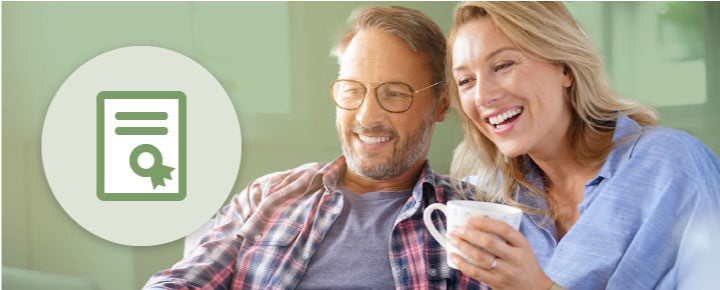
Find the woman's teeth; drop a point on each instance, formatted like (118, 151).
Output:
(498, 119)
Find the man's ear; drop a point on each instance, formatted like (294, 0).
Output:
(442, 107)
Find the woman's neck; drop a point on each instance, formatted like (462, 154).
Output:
(566, 177)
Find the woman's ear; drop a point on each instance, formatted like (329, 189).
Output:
(567, 76)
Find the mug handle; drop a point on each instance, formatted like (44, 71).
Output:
(427, 218)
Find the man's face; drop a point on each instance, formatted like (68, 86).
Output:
(376, 143)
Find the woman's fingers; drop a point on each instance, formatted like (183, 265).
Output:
(497, 254)
(500, 228)
(487, 235)
(470, 250)
(478, 273)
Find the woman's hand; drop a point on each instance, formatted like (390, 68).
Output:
(506, 260)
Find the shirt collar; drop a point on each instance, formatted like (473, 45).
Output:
(426, 177)
(331, 174)
(624, 139)
(534, 177)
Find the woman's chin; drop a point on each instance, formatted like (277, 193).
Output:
(511, 152)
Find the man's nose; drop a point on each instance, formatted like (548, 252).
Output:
(370, 112)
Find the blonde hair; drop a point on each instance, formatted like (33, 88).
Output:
(416, 29)
(545, 31)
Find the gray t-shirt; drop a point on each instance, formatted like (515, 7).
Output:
(355, 251)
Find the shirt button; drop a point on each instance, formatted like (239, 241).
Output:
(258, 237)
(433, 272)
(306, 254)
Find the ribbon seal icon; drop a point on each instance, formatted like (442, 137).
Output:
(157, 172)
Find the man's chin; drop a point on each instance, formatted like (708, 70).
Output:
(369, 157)
(375, 169)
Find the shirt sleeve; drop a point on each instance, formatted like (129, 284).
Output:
(211, 264)
(699, 254)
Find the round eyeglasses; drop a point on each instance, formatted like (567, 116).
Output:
(394, 97)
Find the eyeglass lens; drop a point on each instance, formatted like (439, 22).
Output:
(392, 96)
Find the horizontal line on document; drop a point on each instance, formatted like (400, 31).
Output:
(141, 116)
(141, 131)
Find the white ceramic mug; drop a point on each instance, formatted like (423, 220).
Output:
(457, 212)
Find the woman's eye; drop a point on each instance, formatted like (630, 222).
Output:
(463, 82)
(504, 65)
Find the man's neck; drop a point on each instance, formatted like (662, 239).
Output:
(361, 184)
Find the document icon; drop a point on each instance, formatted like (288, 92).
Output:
(141, 145)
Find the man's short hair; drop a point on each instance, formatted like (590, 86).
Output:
(415, 28)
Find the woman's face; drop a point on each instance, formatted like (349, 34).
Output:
(515, 101)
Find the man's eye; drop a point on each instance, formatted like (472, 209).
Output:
(395, 94)
(352, 92)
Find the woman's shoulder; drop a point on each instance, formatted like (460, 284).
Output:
(661, 152)
(648, 143)
(662, 143)
(659, 170)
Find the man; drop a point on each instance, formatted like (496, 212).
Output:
(355, 222)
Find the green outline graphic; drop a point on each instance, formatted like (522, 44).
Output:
(181, 170)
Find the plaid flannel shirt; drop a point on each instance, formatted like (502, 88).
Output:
(266, 236)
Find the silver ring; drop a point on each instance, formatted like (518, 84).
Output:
(493, 264)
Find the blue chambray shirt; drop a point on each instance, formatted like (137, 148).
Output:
(649, 219)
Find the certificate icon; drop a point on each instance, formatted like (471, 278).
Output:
(141, 146)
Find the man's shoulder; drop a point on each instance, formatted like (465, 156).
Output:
(311, 167)
(301, 174)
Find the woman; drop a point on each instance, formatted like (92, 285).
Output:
(611, 200)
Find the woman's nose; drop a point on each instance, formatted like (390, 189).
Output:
(486, 91)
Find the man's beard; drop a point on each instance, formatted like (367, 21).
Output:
(403, 156)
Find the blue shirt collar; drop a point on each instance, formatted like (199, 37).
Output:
(624, 139)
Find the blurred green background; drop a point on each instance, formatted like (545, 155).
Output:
(274, 61)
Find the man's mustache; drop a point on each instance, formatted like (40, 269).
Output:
(377, 129)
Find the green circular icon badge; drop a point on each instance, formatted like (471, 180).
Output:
(157, 172)
(141, 145)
